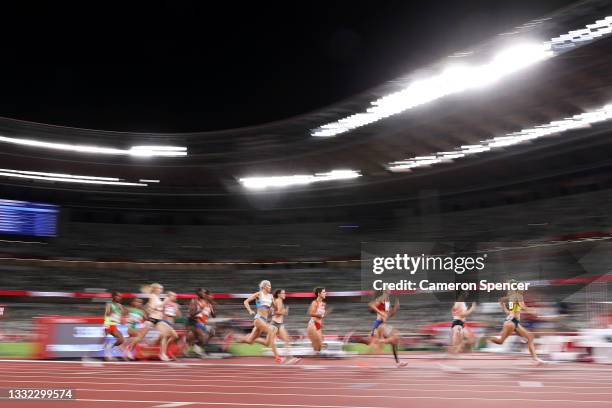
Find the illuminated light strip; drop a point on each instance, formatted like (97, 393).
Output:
(61, 175)
(259, 183)
(138, 151)
(592, 32)
(526, 135)
(150, 151)
(148, 181)
(22, 242)
(66, 178)
(458, 78)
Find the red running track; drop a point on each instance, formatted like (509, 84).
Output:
(473, 381)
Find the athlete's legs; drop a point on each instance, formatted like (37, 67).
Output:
(507, 330)
(315, 337)
(457, 339)
(284, 336)
(527, 335)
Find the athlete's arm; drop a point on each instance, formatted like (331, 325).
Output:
(470, 310)
(312, 310)
(279, 308)
(328, 310)
(394, 309)
(247, 302)
(372, 306)
(454, 310)
(527, 308)
(193, 308)
(502, 302)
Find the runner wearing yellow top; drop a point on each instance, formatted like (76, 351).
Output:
(512, 304)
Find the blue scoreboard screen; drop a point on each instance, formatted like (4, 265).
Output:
(26, 218)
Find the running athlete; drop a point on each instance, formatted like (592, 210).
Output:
(460, 335)
(200, 310)
(317, 313)
(171, 311)
(512, 304)
(112, 317)
(382, 331)
(136, 317)
(263, 304)
(280, 311)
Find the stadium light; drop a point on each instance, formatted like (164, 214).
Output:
(260, 183)
(457, 78)
(67, 178)
(135, 151)
(581, 120)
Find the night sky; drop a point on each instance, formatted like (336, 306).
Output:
(178, 66)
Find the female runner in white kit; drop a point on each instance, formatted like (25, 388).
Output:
(460, 335)
(278, 321)
(263, 304)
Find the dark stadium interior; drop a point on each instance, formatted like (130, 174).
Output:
(244, 97)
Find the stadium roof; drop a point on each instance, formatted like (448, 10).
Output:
(577, 80)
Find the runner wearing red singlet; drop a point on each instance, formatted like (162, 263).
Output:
(382, 331)
(317, 313)
(200, 310)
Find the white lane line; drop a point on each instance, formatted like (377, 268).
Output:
(199, 364)
(556, 369)
(213, 383)
(310, 395)
(156, 374)
(397, 373)
(530, 384)
(242, 404)
(241, 379)
(173, 405)
(348, 387)
(412, 397)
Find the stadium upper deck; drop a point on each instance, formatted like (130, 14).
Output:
(442, 134)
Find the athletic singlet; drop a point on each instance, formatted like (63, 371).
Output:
(135, 317)
(383, 306)
(264, 300)
(171, 309)
(320, 312)
(463, 307)
(114, 317)
(155, 307)
(278, 318)
(321, 309)
(514, 307)
(203, 312)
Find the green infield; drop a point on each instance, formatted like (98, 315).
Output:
(246, 349)
(17, 350)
